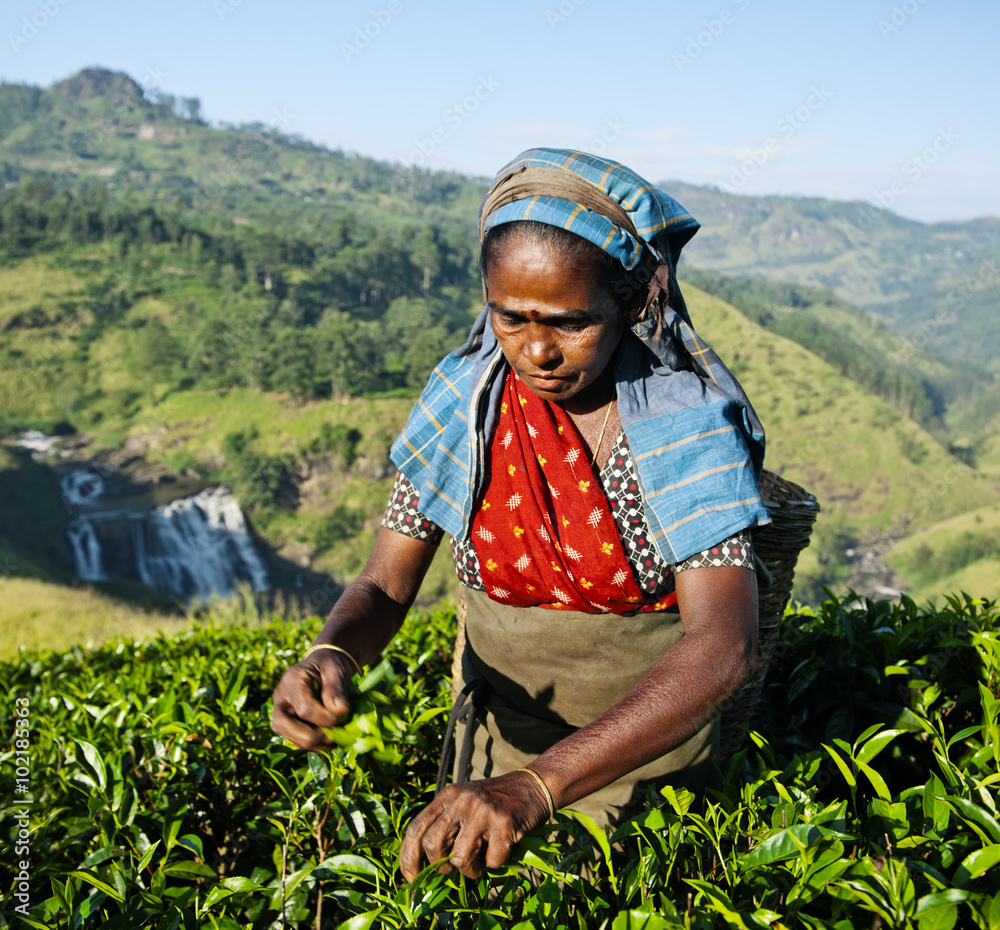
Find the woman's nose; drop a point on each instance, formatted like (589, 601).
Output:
(540, 347)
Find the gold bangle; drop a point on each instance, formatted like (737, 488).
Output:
(319, 646)
(545, 790)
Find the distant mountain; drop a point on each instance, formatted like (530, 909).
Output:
(937, 284)
(151, 257)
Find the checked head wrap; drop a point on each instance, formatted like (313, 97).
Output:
(696, 439)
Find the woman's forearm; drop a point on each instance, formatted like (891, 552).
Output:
(363, 621)
(678, 695)
(372, 608)
(668, 706)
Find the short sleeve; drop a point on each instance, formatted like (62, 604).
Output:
(402, 514)
(737, 550)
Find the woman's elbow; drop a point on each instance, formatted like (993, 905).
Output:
(744, 664)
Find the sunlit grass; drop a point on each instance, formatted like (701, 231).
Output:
(928, 549)
(36, 282)
(40, 615)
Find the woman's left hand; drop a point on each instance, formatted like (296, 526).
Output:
(476, 822)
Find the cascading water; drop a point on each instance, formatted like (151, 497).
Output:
(192, 548)
(197, 547)
(87, 551)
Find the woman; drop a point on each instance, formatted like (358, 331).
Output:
(596, 467)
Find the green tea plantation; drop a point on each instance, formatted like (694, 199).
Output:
(143, 787)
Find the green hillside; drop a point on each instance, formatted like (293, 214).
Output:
(100, 125)
(244, 306)
(958, 554)
(874, 470)
(869, 465)
(937, 284)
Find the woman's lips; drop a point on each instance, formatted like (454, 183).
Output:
(546, 381)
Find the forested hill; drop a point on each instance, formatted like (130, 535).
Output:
(102, 125)
(243, 304)
(937, 284)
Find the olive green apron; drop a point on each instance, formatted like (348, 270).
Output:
(539, 675)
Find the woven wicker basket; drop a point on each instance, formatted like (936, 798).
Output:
(776, 547)
(793, 512)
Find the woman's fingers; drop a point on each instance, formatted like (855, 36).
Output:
(438, 840)
(309, 696)
(411, 850)
(452, 824)
(473, 822)
(469, 843)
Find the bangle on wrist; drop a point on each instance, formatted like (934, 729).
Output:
(319, 646)
(545, 791)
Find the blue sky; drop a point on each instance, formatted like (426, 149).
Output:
(893, 101)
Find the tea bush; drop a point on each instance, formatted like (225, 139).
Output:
(160, 798)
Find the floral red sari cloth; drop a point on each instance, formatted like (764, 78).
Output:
(544, 532)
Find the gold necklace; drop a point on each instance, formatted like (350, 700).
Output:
(600, 438)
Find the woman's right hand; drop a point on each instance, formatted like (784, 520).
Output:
(313, 694)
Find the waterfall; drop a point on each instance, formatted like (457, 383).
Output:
(86, 550)
(192, 548)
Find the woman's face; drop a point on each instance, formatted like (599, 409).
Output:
(556, 320)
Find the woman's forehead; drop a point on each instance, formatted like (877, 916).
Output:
(524, 250)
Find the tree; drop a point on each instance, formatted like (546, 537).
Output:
(291, 364)
(349, 355)
(153, 356)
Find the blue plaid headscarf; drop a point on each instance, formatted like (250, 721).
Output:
(696, 440)
(662, 223)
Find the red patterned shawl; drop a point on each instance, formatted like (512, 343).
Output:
(544, 533)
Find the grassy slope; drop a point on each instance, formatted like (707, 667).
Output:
(39, 615)
(872, 469)
(980, 578)
(934, 283)
(39, 287)
(862, 458)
